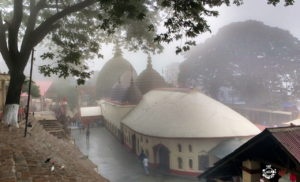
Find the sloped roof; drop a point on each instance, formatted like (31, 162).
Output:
(228, 146)
(186, 114)
(90, 111)
(44, 86)
(289, 138)
(280, 146)
(294, 122)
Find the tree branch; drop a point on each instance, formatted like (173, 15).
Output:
(14, 26)
(44, 28)
(34, 10)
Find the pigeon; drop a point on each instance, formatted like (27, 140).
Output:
(48, 160)
(52, 167)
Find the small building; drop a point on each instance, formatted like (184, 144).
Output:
(176, 128)
(90, 115)
(273, 155)
(113, 113)
(265, 117)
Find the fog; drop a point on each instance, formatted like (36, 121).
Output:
(279, 16)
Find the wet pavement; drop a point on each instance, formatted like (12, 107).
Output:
(114, 161)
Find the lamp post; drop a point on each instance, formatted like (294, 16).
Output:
(29, 92)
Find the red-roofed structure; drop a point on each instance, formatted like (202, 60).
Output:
(44, 86)
(274, 148)
(289, 138)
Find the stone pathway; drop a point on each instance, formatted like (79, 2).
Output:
(22, 159)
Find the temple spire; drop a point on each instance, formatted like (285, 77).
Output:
(118, 50)
(149, 62)
(131, 74)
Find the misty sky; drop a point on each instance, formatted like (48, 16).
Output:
(279, 16)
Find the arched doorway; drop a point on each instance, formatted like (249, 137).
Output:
(133, 140)
(163, 157)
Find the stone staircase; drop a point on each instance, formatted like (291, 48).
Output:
(54, 128)
(22, 159)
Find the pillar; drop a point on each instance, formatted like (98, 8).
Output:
(251, 171)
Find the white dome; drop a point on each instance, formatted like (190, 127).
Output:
(186, 114)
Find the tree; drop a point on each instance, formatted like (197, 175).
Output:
(77, 26)
(256, 61)
(68, 92)
(35, 90)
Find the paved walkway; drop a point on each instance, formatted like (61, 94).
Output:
(114, 161)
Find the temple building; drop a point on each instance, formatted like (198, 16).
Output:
(182, 131)
(177, 128)
(150, 79)
(123, 99)
(117, 69)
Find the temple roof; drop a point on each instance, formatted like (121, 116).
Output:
(111, 73)
(149, 79)
(186, 114)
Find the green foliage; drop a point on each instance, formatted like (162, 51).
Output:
(35, 90)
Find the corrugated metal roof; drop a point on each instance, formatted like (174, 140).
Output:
(289, 138)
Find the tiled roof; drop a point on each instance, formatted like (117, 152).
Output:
(289, 138)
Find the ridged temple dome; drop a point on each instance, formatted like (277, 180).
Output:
(149, 79)
(125, 91)
(133, 94)
(111, 73)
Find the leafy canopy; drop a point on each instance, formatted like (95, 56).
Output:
(34, 91)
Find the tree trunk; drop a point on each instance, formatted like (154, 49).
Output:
(12, 102)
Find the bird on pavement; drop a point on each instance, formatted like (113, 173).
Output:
(48, 160)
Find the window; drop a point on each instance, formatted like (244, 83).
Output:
(146, 140)
(179, 159)
(191, 163)
(190, 148)
(179, 148)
